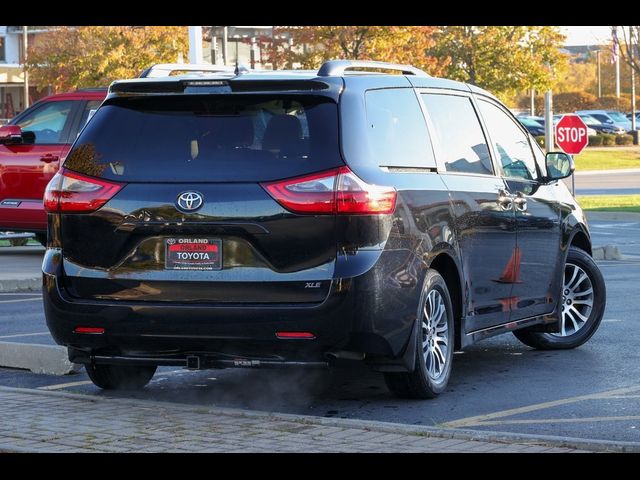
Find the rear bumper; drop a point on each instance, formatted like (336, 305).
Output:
(354, 317)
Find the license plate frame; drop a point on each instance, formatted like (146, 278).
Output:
(193, 253)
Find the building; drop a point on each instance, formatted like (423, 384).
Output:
(11, 70)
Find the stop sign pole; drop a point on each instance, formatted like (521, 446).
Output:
(571, 137)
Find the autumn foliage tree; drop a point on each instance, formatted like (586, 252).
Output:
(93, 56)
(502, 59)
(310, 46)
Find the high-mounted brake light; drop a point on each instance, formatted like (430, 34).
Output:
(71, 192)
(333, 191)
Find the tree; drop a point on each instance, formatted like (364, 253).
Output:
(310, 46)
(629, 46)
(75, 57)
(502, 59)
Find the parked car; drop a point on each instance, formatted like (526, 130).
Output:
(600, 127)
(268, 219)
(534, 127)
(32, 147)
(609, 117)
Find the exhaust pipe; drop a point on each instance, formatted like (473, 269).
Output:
(345, 355)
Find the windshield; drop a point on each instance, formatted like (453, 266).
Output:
(204, 138)
(589, 120)
(617, 116)
(529, 122)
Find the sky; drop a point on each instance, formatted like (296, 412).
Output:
(587, 35)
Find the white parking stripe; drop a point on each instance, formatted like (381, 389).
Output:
(17, 335)
(17, 300)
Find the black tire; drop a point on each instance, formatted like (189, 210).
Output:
(42, 238)
(573, 339)
(420, 383)
(119, 377)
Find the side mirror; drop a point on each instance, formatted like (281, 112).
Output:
(559, 166)
(10, 134)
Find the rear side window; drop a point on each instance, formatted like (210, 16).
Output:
(462, 143)
(204, 138)
(397, 132)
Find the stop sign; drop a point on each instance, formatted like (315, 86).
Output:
(571, 134)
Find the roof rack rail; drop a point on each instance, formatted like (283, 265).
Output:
(337, 68)
(166, 69)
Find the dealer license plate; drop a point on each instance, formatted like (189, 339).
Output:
(193, 253)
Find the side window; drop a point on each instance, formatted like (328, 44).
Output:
(464, 148)
(397, 132)
(45, 125)
(89, 109)
(510, 142)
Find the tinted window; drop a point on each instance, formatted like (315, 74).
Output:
(208, 138)
(510, 142)
(603, 118)
(462, 143)
(397, 132)
(45, 124)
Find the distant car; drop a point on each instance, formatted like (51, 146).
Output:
(534, 127)
(609, 117)
(600, 127)
(32, 147)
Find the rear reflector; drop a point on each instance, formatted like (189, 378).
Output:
(71, 192)
(93, 330)
(334, 191)
(288, 335)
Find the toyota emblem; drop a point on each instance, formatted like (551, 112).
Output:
(189, 201)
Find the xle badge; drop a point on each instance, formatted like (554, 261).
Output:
(312, 285)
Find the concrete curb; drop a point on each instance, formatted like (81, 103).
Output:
(608, 252)
(593, 445)
(9, 285)
(47, 359)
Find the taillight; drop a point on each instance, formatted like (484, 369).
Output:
(333, 191)
(71, 192)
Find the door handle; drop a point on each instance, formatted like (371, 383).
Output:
(520, 202)
(48, 158)
(505, 200)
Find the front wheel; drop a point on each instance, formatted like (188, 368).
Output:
(119, 377)
(583, 301)
(434, 349)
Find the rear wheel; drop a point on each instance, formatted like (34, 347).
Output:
(434, 351)
(583, 302)
(42, 238)
(119, 377)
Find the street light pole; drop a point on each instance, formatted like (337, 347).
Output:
(25, 44)
(599, 83)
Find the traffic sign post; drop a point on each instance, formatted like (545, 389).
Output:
(571, 137)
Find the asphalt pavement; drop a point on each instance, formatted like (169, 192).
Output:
(592, 392)
(607, 182)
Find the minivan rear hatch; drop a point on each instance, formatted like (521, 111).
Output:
(191, 220)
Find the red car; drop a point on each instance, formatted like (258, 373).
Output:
(32, 147)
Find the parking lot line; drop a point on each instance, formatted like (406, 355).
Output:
(16, 300)
(484, 419)
(560, 420)
(17, 335)
(60, 386)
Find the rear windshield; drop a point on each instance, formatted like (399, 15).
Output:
(198, 138)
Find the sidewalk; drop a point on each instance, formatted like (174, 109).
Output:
(21, 268)
(37, 421)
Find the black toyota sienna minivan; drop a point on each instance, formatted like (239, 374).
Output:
(366, 211)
